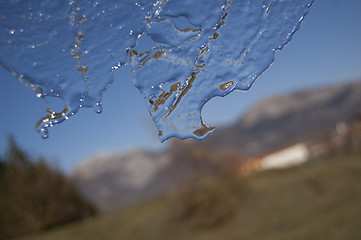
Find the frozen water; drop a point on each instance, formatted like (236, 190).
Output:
(68, 49)
(230, 44)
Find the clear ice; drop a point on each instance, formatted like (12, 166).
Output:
(202, 49)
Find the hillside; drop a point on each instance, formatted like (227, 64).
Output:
(300, 116)
(115, 181)
(319, 200)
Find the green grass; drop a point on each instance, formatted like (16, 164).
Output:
(319, 200)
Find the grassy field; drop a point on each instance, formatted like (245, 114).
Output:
(318, 200)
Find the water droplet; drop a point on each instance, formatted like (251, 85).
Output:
(44, 133)
(98, 108)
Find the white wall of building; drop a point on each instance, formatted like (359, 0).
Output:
(293, 155)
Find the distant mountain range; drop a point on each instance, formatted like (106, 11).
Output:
(114, 181)
(300, 116)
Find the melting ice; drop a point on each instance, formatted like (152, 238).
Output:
(202, 49)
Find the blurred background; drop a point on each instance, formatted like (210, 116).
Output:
(284, 162)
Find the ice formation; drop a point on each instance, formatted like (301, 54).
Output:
(68, 49)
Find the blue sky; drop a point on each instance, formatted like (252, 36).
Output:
(326, 50)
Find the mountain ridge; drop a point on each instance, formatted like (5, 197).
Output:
(115, 181)
(295, 117)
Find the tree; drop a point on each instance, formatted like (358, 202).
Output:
(34, 196)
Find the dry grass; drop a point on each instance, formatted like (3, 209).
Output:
(319, 200)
